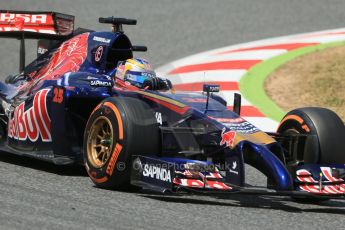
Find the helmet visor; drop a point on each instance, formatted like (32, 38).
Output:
(137, 78)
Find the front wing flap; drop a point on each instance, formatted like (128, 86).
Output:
(174, 175)
(321, 179)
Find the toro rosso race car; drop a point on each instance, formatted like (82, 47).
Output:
(71, 105)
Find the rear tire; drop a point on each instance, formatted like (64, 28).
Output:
(117, 129)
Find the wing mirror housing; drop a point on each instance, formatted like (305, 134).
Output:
(237, 103)
(208, 89)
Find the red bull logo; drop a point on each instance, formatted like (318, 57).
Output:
(228, 138)
(32, 123)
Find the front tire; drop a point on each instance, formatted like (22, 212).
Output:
(117, 129)
(328, 141)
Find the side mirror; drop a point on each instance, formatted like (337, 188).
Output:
(237, 103)
(210, 89)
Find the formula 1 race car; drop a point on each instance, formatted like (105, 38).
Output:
(68, 107)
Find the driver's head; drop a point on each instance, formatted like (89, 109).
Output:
(137, 72)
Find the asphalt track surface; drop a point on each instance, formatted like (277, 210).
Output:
(35, 194)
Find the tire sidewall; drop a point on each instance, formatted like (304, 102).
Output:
(116, 171)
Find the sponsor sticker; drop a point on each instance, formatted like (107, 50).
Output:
(32, 124)
(239, 124)
(99, 53)
(100, 83)
(156, 172)
(27, 18)
(244, 127)
(100, 39)
(42, 23)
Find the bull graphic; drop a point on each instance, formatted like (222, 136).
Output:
(227, 138)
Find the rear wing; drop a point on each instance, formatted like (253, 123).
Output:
(19, 24)
(34, 25)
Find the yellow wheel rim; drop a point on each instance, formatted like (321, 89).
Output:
(100, 142)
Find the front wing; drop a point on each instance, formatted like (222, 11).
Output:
(177, 175)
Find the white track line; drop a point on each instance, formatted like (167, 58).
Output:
(322, 39)
(261, 54)
(215, 75)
